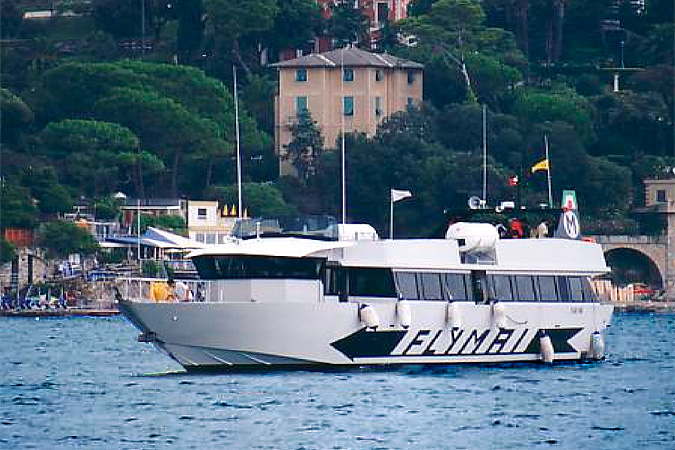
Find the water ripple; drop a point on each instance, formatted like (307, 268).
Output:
(97, 387)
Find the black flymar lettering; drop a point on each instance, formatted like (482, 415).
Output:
(454, 337)
(500, 340)
(428, 351)
(416, 340)
(477, 339)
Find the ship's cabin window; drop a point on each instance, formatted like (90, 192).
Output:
(433, 286)
(407, 285)
(371, 282)
(455, 287)
(543, 288)
(359, 281)
(547, 290)
(589, 294)
(501, 288)
(257, 267)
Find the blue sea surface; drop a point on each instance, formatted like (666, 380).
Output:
(87, 383)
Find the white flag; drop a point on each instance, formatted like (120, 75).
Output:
(397, 195)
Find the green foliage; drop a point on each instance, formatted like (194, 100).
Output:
(347, 24)
(305, 146)
(89, 154)
(10, 19)
(122, 18)
(7, 251)
(49, 195)
(152, 269)
(632, 123)
(61, 238)
(16, 207)
(235, 19)
(296, 23)
(179, 115)
(16, 116)
(260, 199)
(172, 223)
(492, 79)
(533, 106)
(108, 207)
(190, 28)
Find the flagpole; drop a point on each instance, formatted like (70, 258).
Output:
(342, 134)
(548, 172)
(236, 133)
(391, 214)
(484, 157)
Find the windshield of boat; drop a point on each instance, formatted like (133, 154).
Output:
(231, 267)
(316, 227)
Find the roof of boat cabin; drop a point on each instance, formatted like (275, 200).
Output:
(286, 247)
(511, 255)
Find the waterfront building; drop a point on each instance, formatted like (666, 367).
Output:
(208, 223)
(151, 207)
(348, 89)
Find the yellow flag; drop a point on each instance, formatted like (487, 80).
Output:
(541, 165)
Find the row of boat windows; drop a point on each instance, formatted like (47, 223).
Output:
(481, 287)
(477, 286)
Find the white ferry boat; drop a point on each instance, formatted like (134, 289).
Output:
(298, 302)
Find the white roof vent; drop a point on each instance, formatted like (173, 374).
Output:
(353, 232)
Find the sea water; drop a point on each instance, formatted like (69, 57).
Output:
(87, 383)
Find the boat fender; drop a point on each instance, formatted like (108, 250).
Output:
(404, 313)
(453, 316)
(597, 345)
(499, 314)
(546, 348)
(368, 316)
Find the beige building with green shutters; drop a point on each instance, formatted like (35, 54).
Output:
(345, 87)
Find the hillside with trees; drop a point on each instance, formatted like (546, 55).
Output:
(104, 96)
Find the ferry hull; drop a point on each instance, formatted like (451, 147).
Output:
(248, 335)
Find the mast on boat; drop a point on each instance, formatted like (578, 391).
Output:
(236, 133)
(484, 156)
